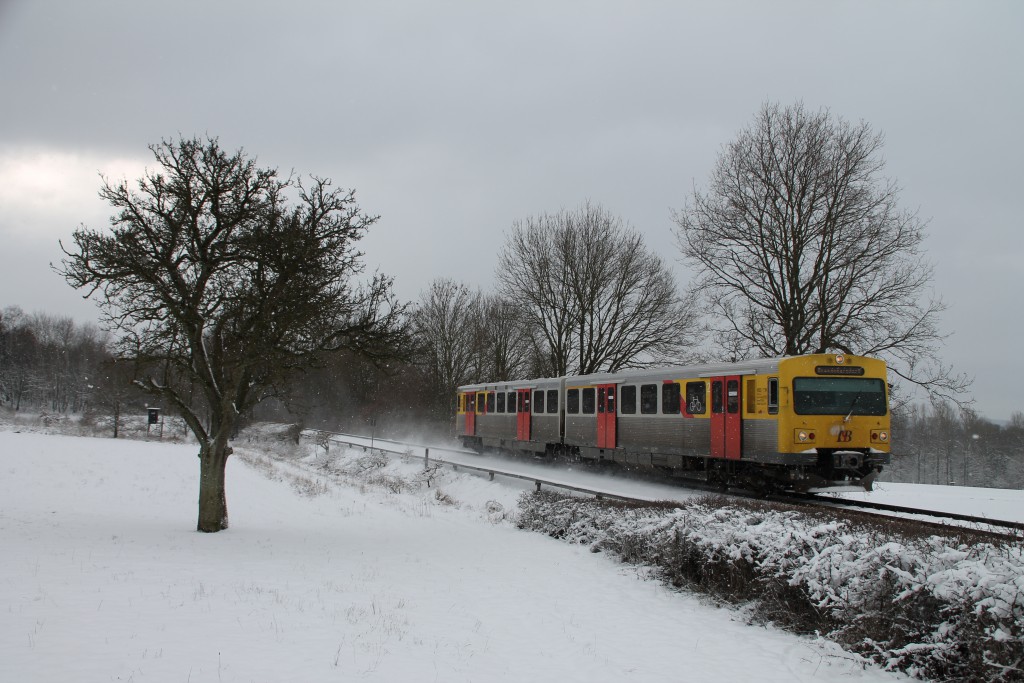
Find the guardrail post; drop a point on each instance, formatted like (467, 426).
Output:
(426, 458)
(538, 486)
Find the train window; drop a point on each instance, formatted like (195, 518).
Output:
(627, 400)
(470, 403)
(501, 402)
(649, 399)
(552, 400)
(670, 398)
(732, 396)
(490, 402)
(524, 402)
(511, 405)
(773, 395)
(589, 400)
(838, 396)
(696, 398)
(481, 402)
(538, 401)
(717, 404)
(572, 401)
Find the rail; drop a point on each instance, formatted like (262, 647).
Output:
(827, 501)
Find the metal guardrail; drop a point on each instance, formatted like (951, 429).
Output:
(491, 471)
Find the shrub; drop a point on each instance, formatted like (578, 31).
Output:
(945, 607)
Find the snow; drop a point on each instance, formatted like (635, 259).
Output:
(1000, 504)
(104, 578)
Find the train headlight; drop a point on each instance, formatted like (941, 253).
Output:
(840, 359)
(803, 436)
(880, 437)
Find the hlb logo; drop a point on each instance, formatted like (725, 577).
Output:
(845, 436)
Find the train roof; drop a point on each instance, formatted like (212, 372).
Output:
(748, 367)
(638, 374)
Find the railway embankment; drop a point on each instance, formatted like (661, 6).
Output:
(942, 607)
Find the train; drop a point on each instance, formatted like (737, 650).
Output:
(808, 423)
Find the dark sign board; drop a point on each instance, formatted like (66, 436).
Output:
(838, 370)
(154, 415)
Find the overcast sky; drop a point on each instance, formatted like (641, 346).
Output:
(454, 119)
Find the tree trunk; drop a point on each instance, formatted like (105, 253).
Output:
(213, 504)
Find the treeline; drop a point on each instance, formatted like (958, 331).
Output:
(52, 365)
(941, 444)
(49, 363)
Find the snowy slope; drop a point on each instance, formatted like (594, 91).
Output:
(103, 578)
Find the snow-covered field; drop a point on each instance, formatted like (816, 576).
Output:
(102, 578)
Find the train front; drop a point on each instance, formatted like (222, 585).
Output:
(838, 409)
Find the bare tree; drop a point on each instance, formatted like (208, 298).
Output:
(446, 323)
(221, 288)
(801, 246)
(506, 345)
(599, 298)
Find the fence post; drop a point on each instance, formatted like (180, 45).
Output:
(426, 458)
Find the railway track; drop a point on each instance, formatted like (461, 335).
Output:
(938, 519)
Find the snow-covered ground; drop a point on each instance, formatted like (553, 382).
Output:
(1001, 504)
(103, 578)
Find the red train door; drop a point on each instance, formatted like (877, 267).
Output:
(523, 415)
(726, 418)
(471, 414)
(606, 416)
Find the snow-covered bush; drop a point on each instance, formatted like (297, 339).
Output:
(940, 607)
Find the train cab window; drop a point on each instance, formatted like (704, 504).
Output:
(481, 403)
(773, 395)
(511, 404)
(501, 402)
(839, 396)
(589, 400)
(572, 401)
(696, 398)
(552, 400)
(649, 399)
(732, 396)
(670, 398)
(524, 402)
(717, 404)
(627, 400)
(538, 402)
(470, 403)
(490, 402)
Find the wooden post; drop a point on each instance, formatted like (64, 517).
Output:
(426, 458)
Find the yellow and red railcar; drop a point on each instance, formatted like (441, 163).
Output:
(808, 422)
